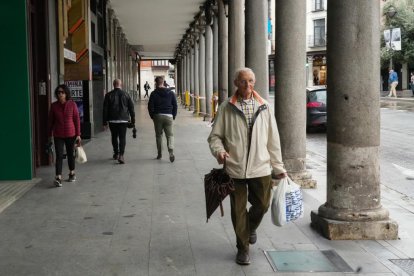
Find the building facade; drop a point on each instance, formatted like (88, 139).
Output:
(316, 11)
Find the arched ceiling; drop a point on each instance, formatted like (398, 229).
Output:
(155, 27)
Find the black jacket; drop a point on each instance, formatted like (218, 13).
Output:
(162, 101)
(118, 106)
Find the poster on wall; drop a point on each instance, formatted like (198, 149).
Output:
(76, 91)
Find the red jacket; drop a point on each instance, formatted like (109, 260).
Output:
(64, 120)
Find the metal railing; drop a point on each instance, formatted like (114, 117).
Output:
(316, 41)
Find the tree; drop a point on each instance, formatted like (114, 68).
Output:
(404, 19)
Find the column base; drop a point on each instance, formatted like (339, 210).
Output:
(206, 117)
(355, 230)
(304, 179)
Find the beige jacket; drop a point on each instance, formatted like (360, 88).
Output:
(230, 134)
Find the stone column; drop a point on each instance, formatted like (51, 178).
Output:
(256, 44)
(178, 86)
(188, 73)
(209, 68)
(196, 72)
(192, 53)
(118, 52)
(290, 88)
(236, 39)
(122, 59)
(134, 68)
(215, 53)
(223, 53)
(183, 76)
(353, 208)
(202, 70)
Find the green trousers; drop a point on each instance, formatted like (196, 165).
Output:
(258, 192)
(162, 124)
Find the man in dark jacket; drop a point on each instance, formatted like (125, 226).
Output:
(118, 110)
(162, 108)
(147, 87)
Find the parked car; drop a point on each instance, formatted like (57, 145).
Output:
(316, 107)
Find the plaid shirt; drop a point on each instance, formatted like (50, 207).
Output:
(247, 107)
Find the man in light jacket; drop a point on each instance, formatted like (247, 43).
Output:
(246, 138)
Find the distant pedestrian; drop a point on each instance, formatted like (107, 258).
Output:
(245, 136)
(412, 82)
(166, 84)
(392, 82)
(147, 87)
(64, 128)
(162, 108)
(315, 78)
(118, 110)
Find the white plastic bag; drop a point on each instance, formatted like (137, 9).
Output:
(80, 155)
(287, 202)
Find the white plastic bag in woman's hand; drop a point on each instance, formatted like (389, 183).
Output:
(80, 155)
(287, 202)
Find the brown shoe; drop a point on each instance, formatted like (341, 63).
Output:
(115, 156)
(121, 159)
(242, 257)
(253, 237)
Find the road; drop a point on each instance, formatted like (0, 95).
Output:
(397, 145)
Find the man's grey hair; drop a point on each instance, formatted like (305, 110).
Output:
(243, 70)
(117, 83)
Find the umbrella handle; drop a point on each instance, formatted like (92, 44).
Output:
(221, 209)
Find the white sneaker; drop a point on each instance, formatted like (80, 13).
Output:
(58, 182)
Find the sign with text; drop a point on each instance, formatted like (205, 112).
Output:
(76, 92)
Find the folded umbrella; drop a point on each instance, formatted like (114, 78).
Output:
(217, 185)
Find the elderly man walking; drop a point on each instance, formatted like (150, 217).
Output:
(245, 137)
(118, 110)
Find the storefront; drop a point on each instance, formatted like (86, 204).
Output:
(319, 69)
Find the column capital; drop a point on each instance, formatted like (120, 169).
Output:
(207, 8)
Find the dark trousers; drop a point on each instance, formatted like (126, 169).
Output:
(70, 144)
(146, 94)
(118, 132)
(258, 192)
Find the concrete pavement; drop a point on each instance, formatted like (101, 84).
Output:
(147, 217)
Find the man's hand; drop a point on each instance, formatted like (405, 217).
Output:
(282, 175)
(221, 157)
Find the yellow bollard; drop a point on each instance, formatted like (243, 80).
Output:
(187, 98)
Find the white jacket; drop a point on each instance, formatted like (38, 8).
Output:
(230, 134)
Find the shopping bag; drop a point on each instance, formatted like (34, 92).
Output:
(287, 202)
(80, 155)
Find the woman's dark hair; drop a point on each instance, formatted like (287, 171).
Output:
(65, 88)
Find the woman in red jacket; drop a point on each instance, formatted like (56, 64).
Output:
(64, 127)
